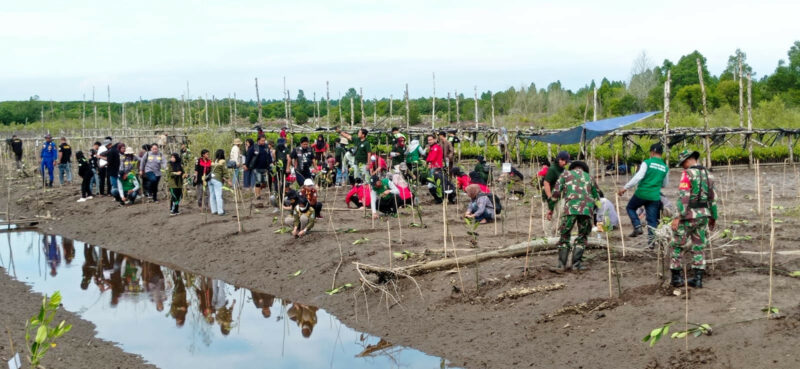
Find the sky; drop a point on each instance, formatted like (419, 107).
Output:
(60, 50)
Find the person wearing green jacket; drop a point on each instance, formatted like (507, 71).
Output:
(649, 180)
(219, 175)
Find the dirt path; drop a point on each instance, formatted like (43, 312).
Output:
(544, 330)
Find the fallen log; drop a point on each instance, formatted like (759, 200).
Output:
(518, 292)
(519, 249)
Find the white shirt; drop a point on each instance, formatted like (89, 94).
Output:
(101, 163)
(236, 156)
(639, 176)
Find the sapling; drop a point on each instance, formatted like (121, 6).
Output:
(697, 330)
(44, 336)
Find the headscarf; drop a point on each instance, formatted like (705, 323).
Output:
(473, 190)
(176, 166)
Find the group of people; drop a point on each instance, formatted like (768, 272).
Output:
(695, 215)
(293, 175)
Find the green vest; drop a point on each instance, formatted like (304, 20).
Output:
(650, 186)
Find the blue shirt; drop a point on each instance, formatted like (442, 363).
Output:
(49, 151)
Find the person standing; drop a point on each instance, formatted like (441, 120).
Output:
(447, 150)
(697, 214)
(201, 168)
(16, 146)
(64, 162)
(363, 149)
(102, 168)
(95, 183)
(303, 161)
(49, 156)
(236, 158)
(85, 172)
(435, 155)
(580, 195)
(219, 175)
(113, 156)
(175, 183)
(548, 184)
(650, 178)
(320, 148)
(152, 164)
(247, 174)
(258, 162)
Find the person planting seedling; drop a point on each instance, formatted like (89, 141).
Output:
(697, 213)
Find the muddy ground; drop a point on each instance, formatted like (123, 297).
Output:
(577, 326)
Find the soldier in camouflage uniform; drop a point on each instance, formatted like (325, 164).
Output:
(697, 213)
(580, 193)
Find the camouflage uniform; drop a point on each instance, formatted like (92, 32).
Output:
(696, 203)
(579, 193)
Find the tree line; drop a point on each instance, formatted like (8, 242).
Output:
(550, 106)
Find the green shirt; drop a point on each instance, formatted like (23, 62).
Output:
(650, 186)
(362, 151)
(552, 175)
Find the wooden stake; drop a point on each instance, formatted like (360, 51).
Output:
(389, 238)
(664, 140)
(530, 236)
(705, 113)
(458, 111)
(608, 253)
(621, 232)
(408, 115)
(771, 246)
(433, 100)
(476, 107)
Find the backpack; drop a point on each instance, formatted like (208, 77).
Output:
(498, 205)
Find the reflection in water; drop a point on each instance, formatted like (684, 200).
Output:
(126, 298)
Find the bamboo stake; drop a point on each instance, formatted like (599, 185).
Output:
(389, 240)
(476, 106)
(621, 232)
(705, 113)
(771, 245)
(236, 203)
(444, 222)
(759, 211)
(608, 253)
(458, 268)
(530, 236)
(458, 111)
(328, 103)
(433, 108)
(686, 311)
(408, 115)
(749, 119)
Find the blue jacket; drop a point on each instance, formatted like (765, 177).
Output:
(49, 151)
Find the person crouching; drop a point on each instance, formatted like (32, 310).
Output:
(481, 209)
(303, 214)
(126, 189)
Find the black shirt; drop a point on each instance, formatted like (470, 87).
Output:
(16, 145)
(304, 158)
(258, 157)
(66, 152)
(112, 156)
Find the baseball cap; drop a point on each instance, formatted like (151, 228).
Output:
(563, 155)
(308, 182)
(657, 148)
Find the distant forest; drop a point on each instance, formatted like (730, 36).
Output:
(552, 106)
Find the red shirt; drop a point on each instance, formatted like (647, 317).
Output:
(381, 164)
(324, 147)
(361, 191)
(464, 181)
(434, 158)
(283, 133)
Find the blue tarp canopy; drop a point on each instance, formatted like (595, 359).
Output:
(592, 129)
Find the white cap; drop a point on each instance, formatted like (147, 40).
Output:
(373, 158)
(308, 182)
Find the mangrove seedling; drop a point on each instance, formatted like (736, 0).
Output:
(360, 241)
(44, 335)
(336, 290)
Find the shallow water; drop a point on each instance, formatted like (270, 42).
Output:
(178, 320)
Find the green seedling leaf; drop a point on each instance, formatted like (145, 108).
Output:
(274, 220)
(336, 290)
(41, 334)
(295, 274)
(770, 309)
(360, 241)
(283, 230)
(777, 221)
(741, 238)
(795, 274)
(350, 230)
(415, 225)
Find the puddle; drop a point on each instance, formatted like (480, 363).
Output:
(175, 319)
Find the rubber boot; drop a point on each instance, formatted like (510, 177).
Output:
(697, 280)
(563, 258)
(636, 232)
(677, 278)
(577, 259)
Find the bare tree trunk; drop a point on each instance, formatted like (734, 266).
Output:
(458, 111)
(109, 105)
(741, 96)
(352, 113)
(664, 141)
(391, 108)
(124, 123)
(285, 102)
(188, 104)
(183, 111)
(750, 118)
(491, 98)
(594, 105)
(448, 108)
(328, 103)
(433, 101)
(205, 101)
(361, 100)
(216, 108)
(230, 111)
(476, 106)
(705, 113)
(408, 114)
(341, 118)
(258, 97)
(83, 117)
(235, 110)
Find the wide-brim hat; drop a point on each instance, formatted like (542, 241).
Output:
(687, 154)
(128, 150)
(237, 141)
